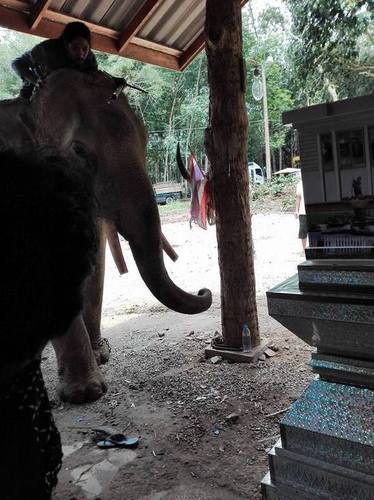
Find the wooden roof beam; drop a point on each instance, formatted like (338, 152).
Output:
(192, 51)
(47, 28)
(37, 12)
(137, 23)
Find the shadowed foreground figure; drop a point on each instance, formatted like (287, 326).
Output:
(49, 246)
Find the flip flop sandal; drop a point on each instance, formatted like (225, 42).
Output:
(103, 432)
(118, 441)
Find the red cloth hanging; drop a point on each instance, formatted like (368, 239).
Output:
(199, 193)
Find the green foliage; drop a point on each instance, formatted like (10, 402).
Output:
(314, 47)
(175, 109)
(279, 187)
(265, 41)
(174, 208)
(12, 45)
(331, 48)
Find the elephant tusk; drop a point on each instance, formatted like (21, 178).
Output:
(182, 168)
(115, 246)
(169, 250)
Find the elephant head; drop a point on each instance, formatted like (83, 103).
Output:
(74, 108)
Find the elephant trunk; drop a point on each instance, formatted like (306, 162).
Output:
(163, 288)
(146, 247)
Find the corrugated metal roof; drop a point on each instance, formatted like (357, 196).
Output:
(173, 24)
(176, 26)
(114, 14)
(168, 33)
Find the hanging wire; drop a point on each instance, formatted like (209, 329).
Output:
(275, 122)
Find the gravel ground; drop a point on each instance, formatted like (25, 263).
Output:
(204, 428)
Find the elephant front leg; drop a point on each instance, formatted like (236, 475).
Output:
(80, 379)
(93, 301)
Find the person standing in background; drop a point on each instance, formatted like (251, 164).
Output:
(301, 214)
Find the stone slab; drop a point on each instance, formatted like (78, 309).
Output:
(351, 274)
(305, 474)
(336, 322)
(348, 361)
(339, 264)
(333, 423)
(238, 356)
(338, 338)
(336, 369)
(290, 289)
(271, 491)
(364, 252)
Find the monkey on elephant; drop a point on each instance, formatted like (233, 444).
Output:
(50, 241)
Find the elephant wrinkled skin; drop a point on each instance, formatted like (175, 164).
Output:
(71, 112)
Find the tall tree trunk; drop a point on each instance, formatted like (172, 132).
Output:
(273, 160)
(330, 89)
(170, 129)
(191, 120)
(226, 145)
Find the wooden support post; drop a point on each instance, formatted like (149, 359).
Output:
(226, 146)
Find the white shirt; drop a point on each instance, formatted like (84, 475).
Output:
(300, 192)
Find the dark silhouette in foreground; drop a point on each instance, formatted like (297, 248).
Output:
(50, 240)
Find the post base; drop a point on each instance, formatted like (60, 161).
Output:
(238, 356)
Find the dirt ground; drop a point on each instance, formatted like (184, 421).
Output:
(162, 389)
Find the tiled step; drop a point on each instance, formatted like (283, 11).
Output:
(325, 273)
(309, 476)
(332, 423)
(336, 322)
(344, 370)
(270, 491)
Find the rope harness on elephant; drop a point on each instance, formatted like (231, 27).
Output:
(28, 430)
(119, 84)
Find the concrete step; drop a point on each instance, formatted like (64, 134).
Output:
(338, 322)
(333, 423)
(354, 274)
(271, 491)
(344, 370)
(309, 476)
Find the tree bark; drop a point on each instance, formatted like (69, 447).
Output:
(190, 124)
(274, 162)
(170, 130)
(226, 146)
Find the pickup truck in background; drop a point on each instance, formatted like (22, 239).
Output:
(167, 192)
(256, 173)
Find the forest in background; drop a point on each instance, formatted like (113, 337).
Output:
(312, 51)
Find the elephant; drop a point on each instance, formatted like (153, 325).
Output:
(73, 112)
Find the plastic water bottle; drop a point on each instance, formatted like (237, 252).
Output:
(246, 338)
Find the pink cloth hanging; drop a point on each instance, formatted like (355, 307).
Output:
(199, 193)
